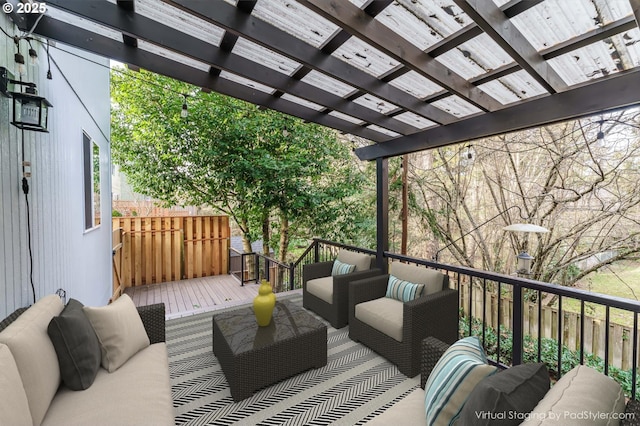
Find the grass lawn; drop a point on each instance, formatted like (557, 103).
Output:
(621, 279)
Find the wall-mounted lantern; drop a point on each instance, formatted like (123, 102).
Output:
(30, 111)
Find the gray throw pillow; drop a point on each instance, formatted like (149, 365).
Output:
(506, 398)
(76, 345)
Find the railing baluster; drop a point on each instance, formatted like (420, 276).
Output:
(517, 333)
(634, 368)
(582, 332)
(539, 325)
(499, 317)
(559, 337)
(606, 341)
(484, 311)
(470, 307)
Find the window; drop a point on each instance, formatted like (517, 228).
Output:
(91, 160)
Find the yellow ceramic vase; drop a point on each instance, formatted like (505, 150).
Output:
(264, 303)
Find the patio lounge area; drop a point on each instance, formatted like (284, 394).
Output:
(397, 77)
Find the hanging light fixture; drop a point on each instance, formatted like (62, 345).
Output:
(33, 55)
(185, 109)
(19, 60)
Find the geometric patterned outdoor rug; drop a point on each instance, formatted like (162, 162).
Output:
(356, 384)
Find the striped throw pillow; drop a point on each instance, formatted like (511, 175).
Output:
(340, 268)
(453, 378)
(403, 291)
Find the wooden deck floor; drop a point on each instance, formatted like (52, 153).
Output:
(188, 297)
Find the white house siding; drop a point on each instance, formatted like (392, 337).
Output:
(64, 255)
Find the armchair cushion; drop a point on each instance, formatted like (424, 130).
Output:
(321, 288)
(361, 261)
(451, 381)
(432, 279)
(404, 291)
(340, 268)
(383, 314)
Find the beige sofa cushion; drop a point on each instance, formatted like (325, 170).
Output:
(321, 288)
(431, 278)
(383, 314)
(138, 393)
(119, 330)
(34, 353)
(582, 396)
(361, 261)
(14, 408)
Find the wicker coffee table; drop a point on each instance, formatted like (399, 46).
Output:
(253, 357)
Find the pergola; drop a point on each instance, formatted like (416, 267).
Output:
(407, 75)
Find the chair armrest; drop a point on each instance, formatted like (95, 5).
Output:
(312, 271)
(367, 289)
(432, 350)
(437, 308)
(154, 322)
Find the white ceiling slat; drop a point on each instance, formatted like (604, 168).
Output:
(262, 55)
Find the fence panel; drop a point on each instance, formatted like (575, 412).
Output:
(160, 249)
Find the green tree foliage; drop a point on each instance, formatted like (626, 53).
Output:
(267, 171)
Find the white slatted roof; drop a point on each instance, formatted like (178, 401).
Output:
(404, 74)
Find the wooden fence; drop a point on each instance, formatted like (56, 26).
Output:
(620, 345)
(161, 249)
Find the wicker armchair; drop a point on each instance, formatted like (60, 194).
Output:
(435, 313)
(328, 295)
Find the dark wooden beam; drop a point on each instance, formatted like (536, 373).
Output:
(104, 46)
(516, 7)
(356, 22)
(494, 22)
(635, 6)
(594, 97)
(625, 24)
(454, 40)
(382, 212)
(226, 16)
(128, 6)
(510, 9)
(147, 29)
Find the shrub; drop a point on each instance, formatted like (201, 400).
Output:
(548, 353)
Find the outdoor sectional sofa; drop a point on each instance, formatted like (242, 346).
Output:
(136, 392)
(581, 396)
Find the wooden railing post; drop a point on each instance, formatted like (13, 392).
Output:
(292, 275)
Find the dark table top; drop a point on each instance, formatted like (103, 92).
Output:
(242, 333)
